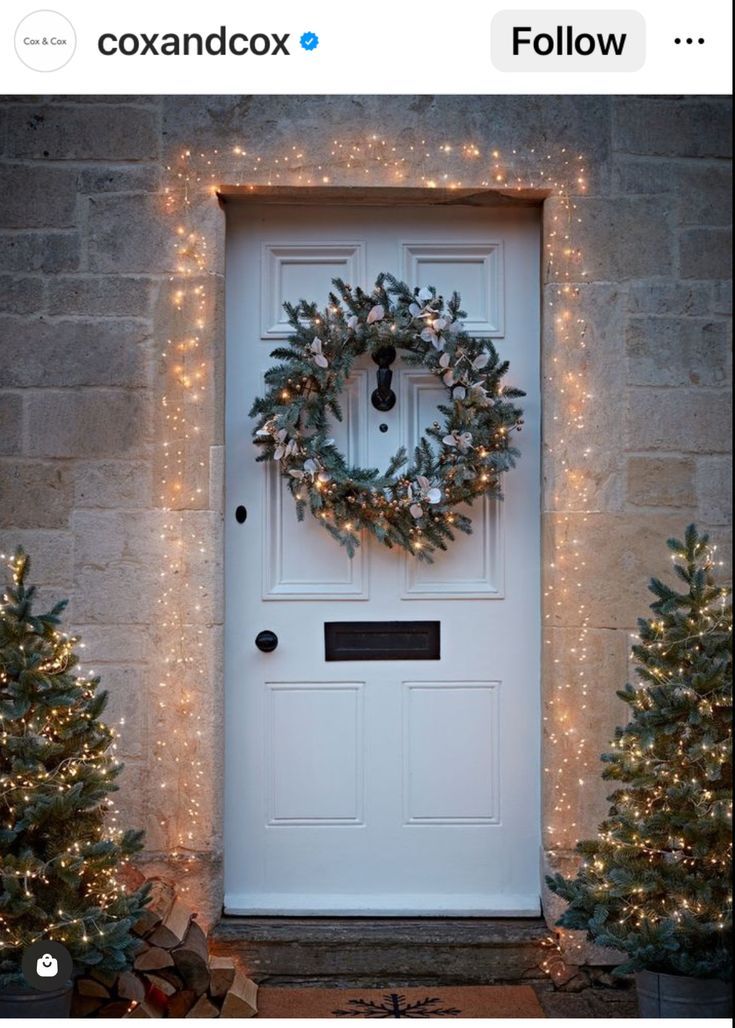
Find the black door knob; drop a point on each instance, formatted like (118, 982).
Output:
(266, 641)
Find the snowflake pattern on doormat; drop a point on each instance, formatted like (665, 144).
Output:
(396, 1005)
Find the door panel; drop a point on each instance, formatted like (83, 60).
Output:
(381, 787)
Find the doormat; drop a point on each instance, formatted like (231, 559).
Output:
(464, 1001)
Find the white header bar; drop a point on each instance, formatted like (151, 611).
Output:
(433, 47)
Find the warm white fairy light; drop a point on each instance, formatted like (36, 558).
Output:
(194, 179)
(100, 883)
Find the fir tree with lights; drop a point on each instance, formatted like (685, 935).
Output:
(61, 856)
(655, 884)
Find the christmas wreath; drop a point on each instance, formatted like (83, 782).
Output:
(412, 504)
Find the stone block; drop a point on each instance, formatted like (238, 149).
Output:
(642, 175)
(120, 558)
(676, 351)
(692, 299)
(131, 234)
(21, 294)
(564, 1005)
(722, 298)
(88, 423)
(114, 644)
(705, 194)
(102, 295)
(11, 423)
(705, 253)
(714, 490)
(599, 565)
(683, 420)
(582, 670)
(513, 125)
(47, 252)
(35, 494)
(37, 196)
(620, 1002)
(661, 482)
(194, 708)
(127, 705)
(216, 478)
(51, 553)
(131, 801)
(624, 238)
(583, 464)
(118, 595)
(41, 352)
(700, 190)
(673, 126)
(121, 484)
(143, 178)
(82, 132)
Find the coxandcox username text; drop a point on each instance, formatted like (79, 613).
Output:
(216, 44)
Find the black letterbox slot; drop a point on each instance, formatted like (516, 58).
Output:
(382, 640)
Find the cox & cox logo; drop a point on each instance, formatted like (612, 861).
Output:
(45, 41)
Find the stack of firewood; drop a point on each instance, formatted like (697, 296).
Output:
(173, 974)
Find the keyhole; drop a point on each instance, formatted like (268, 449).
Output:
(383, 427)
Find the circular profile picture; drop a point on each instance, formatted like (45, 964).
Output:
(46, 965)
(45, 41)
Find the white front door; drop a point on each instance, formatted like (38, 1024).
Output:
(381, 786)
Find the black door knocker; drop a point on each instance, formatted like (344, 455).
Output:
(383, 397)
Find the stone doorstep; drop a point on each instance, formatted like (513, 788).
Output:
(397, 951)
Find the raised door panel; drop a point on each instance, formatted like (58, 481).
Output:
(301, 561)
(472, 568)
(450, 753)
(314, 753)
(474, 270)
(295, 271)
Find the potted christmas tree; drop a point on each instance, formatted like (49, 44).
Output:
(60, 857)
(655, 884)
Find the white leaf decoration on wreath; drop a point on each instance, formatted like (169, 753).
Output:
(376, 314)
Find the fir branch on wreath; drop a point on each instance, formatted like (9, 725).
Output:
(413, 504)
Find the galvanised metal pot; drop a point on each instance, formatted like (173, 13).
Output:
(24, 1002)
(671, 995)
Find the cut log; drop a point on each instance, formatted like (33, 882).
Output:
(85, 1006)
(146, 923)
(160, 901)
(159, 984)
(192, 959)
(153, 959)
(221, 975)
(203, 1008)
(118, 1008)
(171, 933)
(145, 1009)
(108, 978)
(131, 877)
(161, 897)
(168, 975)
(89, 987)
(181, 1003)
(130, 986)
(241, 998)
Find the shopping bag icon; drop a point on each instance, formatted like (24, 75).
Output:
(47, 966)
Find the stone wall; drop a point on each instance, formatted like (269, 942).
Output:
(86, 257)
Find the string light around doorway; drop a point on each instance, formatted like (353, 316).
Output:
(190, 468)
